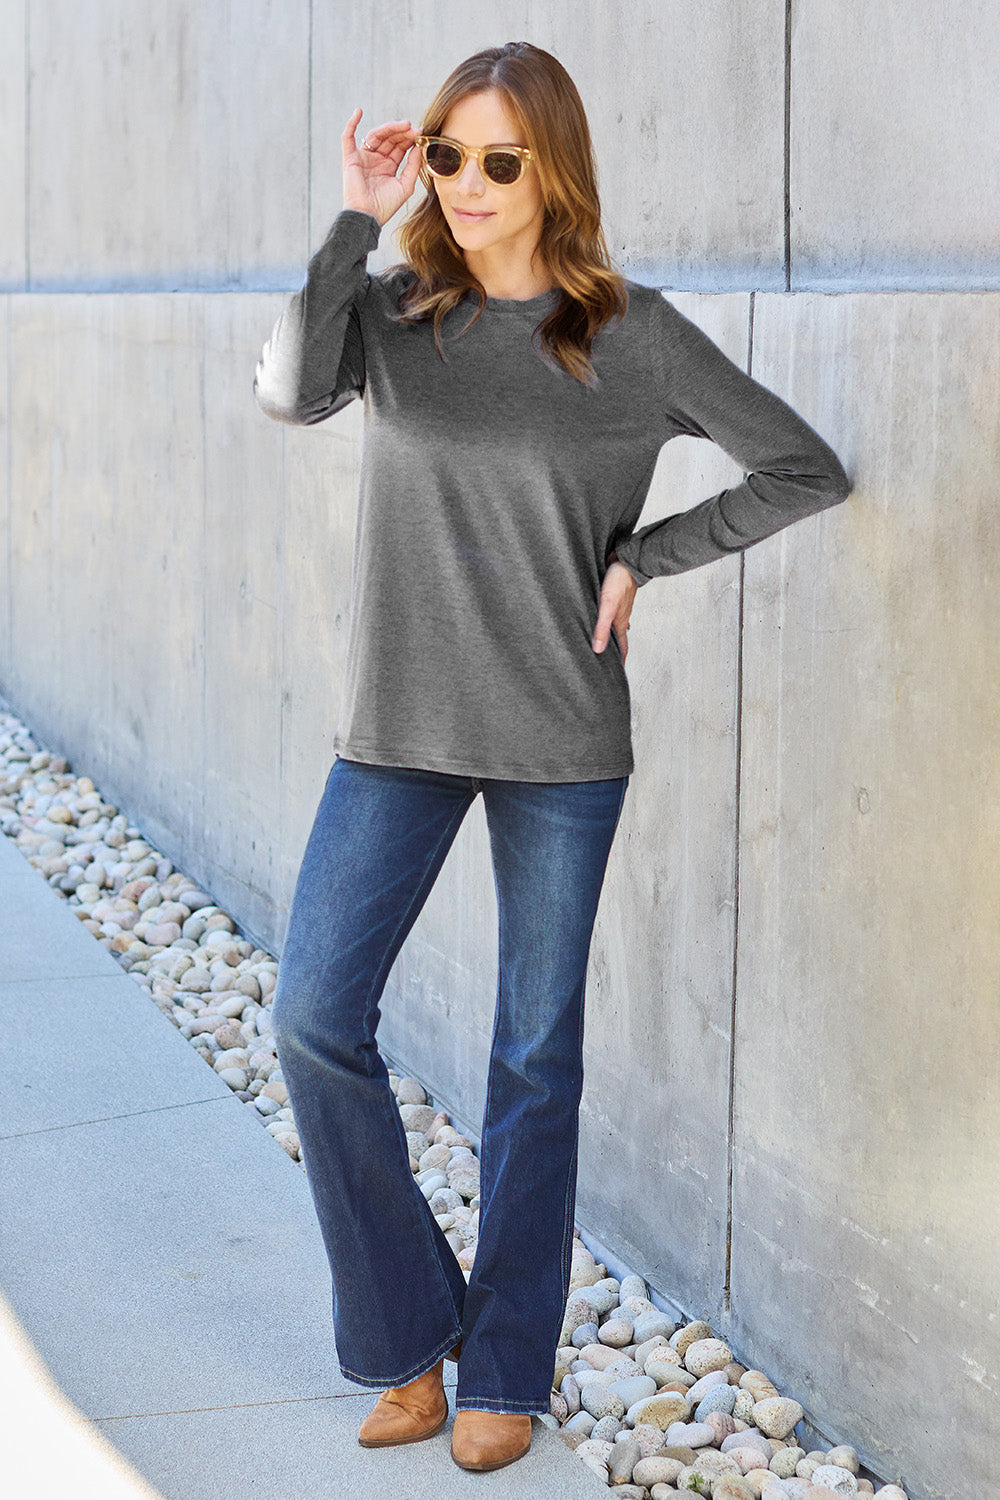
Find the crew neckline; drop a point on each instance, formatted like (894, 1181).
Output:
(527, 304)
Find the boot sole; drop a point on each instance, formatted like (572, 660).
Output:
(417, 1437)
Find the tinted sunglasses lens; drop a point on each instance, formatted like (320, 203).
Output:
(443, 160)
(502, 166)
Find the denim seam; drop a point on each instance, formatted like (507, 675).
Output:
(380, 978)
(567, 1234)
(483, 1162)
(492, 1403)
(497, 1404)
(567, 1239)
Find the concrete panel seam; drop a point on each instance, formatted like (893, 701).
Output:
(285, 283)
(788, 147)
(60, 978)
(27, 139)
(282, 633)
(730, 1104)
(309, 135)
(199, 796)
(184, 1411)
(129, 1114)
(751, 312)
(9, 466)
(734, 991)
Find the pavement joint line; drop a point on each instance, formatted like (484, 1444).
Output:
(186, 1411)
(40, 979)
(129, 1114)
(59, 978)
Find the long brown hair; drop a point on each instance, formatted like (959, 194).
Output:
(544, 101)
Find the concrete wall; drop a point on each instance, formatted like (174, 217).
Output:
(865, 1111)
(791, 1052)
(894, 145)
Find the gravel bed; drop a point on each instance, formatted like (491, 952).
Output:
(653, 1409)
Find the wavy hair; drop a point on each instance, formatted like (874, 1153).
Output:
(544, 101)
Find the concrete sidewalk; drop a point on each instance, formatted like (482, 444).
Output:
(160, 1258)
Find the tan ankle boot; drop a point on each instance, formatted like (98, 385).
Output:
(489, 1439)
(407, 1413)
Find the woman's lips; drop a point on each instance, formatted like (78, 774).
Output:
(471, 218)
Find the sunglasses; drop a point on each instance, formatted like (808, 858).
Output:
(500, 164)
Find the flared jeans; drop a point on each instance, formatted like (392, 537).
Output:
(400, 1298)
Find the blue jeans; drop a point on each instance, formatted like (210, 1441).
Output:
(400, 1299)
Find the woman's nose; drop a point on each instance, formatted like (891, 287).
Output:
(470, 179)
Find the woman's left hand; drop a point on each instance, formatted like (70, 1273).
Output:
(618, 591)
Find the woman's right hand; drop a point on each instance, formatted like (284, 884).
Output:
(370, 182)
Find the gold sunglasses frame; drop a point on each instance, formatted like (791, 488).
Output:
(522, 152)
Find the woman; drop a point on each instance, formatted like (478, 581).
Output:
(517, 390)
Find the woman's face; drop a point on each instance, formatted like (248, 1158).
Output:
(485, 216)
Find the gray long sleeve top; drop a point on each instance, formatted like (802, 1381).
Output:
(493, 487)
